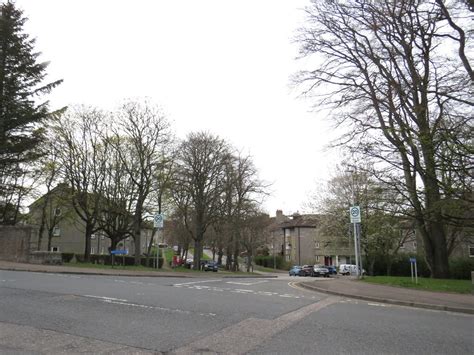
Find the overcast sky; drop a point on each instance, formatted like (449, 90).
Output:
(219, 66)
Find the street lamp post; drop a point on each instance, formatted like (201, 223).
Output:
(358, 258)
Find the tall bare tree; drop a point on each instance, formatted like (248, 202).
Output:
(388, 70)
(83, 157)
(117, 197)
(199, 186)
(146, 133)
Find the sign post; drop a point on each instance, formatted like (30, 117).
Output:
(354, 213)
(415, 271)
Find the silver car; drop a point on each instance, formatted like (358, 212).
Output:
(320, 270)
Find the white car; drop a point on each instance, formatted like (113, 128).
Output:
(349, 269)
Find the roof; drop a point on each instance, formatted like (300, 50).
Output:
(297, 221)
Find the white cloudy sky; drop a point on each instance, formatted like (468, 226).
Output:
(215, 65)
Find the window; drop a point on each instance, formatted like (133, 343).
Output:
(56, 232)
(402, 246)
(92, 236)
(54, 248)
(92, 250)
(57, 212)
(414, 244)
(102, 237)
(317, 257)
(316, 245)
(471, 251)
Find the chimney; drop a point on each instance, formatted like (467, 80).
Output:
(279, 216)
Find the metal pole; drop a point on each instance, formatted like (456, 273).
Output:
(157, 249)
(411, 269)
(356, 246)
(299, 247)
(416, 274)
(359, 266)
(274, 255)
(355, 250)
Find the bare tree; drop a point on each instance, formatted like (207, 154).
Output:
(389, 74)
(117, 197)
(83, 157)
(198, 186)
(146, 132)
(254, 233)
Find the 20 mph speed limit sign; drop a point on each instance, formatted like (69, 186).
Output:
(354, 212)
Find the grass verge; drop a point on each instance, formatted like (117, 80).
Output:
(268, 269)
(427, 284)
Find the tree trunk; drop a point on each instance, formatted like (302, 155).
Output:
(371, 266)
(197, 254)
(87, 248)
(389, 267)
(220, 253)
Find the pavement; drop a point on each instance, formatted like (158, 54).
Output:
(347, 286)
(341, 286)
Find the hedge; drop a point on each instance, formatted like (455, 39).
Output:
(459, 268)
(67, 257)
(126, 260)
(270, 261)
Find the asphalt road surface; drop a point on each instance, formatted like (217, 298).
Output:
(58, 313)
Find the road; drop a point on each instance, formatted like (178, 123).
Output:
(59, 313)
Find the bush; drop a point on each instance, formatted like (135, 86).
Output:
(461, 268)
(400, 266)
(268, 261)
(127, 260)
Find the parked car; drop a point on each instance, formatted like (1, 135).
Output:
(320, 270)
(307, 270)
(211, 266)
(296, 271)
(189, 263)
(332, 269)
(349, 269)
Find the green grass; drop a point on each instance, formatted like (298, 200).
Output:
(436, 285)
(268, 269)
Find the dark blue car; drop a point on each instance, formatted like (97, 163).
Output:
(332, 270)
(211, 266)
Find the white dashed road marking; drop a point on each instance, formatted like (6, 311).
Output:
(122, 302)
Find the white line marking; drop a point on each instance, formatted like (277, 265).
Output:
(106, 298)
(246, 283)
(120, 302)
(195, 282)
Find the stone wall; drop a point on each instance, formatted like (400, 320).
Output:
(15, 242)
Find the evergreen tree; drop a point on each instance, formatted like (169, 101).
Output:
(22, 113)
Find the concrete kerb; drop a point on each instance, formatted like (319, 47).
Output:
(151, 274)
(390, 301)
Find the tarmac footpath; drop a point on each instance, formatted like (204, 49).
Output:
(352, 288)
